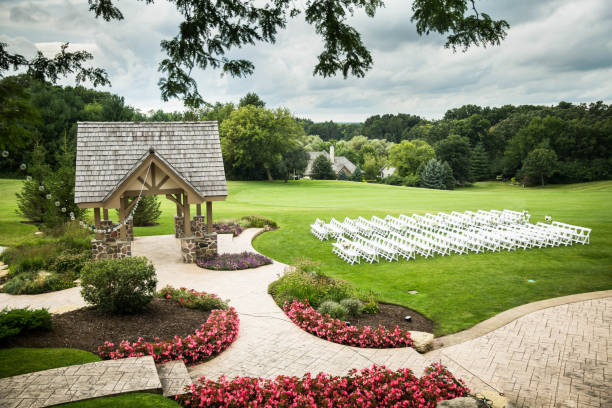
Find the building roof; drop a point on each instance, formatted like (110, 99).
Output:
(339, 163)
(107, 152)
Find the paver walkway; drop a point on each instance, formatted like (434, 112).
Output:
(553, 357)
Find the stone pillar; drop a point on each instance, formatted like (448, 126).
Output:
(110, 250)
(198, 226)
(130, 230)
(207, 246)
(179, 226)
(193, 248)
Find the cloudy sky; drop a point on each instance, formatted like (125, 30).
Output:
(555, 50)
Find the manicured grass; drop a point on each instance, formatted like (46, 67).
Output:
(140, 400)
(21, 360)
(12, 230)
(456, 291)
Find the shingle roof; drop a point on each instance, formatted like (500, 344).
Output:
(338, 164)
(108, 151)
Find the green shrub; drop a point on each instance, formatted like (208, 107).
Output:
(412, 180)
(334, 309)
(307, 282)
(31, 283)
(352, 305)
(257, 221)
(148, 211)
(370, 307)
(70, 263)
(16, 321)
(119, 285)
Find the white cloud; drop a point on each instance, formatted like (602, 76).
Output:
(556, 50)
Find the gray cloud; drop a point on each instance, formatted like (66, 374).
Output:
(556, 50)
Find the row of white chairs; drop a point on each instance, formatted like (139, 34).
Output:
(442, 234)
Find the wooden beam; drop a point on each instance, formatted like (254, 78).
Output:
(122, 215)
(105, 214)
(209, 223)
(187, 215)
(130, 206)
(97, 221)
(176, 200)
(152, 174)
(162, 182)
(145, 184)
(198, 209)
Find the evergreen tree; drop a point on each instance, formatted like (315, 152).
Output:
(433, 175)
(342, 176)
(447, 176)
(31, 201)
(147, 212)
(480, 163)
(322, 168)
(357, 175)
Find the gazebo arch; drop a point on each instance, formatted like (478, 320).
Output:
(119, 161)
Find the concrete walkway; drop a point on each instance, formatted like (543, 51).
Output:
(558, 356)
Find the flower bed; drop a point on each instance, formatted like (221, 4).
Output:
(234, 262)
(368, 388)
(228, 228)
(214, 336)
(328, 328)
(193, 299)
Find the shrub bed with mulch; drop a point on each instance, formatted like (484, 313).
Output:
(87, 328)
(213, 336)
(368, 388)
(234, 262)
(338, 331)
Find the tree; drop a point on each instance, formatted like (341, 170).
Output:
(253, 99)
(293, 162)
(408, 156)
(447, 176)
(322, 168)
(432, 175)
(480, 163)
(147, 212)
(357, 175)
(31, 201)
(540, 163)
(213, 28)
(254, 138)
(372, 166)
(456, 151)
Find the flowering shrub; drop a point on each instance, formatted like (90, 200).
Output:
(193, 299)
(234, 262)
(213, 337)
(328, 328)
(368, 388)
(228, 228)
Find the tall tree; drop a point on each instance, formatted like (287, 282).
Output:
(254, 138)
(408, 157)
(322, 168)
(252, 99)
(480, 163)
(213, 28)
(456, 151)
(540, 163)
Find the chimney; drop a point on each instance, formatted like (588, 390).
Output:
(332, 155)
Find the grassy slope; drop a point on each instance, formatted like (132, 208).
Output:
(455, 291)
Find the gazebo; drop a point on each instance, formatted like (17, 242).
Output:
(117, 162)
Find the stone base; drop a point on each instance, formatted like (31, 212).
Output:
(115, 235)
(194, 247)
(179, 227)
(198, 226)
(110, 250)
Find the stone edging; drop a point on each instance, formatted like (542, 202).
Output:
(507, 316)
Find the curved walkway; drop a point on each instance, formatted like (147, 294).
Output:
(560, 356)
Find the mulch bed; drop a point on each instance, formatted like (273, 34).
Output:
(86, 329)
(394, 315)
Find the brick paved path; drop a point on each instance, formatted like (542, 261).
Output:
(555, 357)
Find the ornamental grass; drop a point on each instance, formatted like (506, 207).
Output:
(368, 388)
(338, 331)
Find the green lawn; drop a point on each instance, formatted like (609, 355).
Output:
(20, 360)
(12, 230)
(135, 400)
(456, 291)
